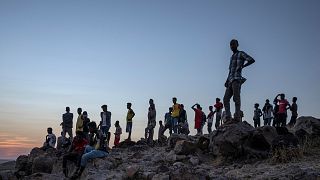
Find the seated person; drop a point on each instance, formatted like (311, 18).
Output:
(75, 151)
(97, 148)
(50, 140)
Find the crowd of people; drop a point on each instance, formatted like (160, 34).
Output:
(92, 140)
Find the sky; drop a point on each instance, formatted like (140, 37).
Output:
(85, 54)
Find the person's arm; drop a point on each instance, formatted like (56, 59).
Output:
(248, 59)
(276, 98)
(192, 107)
(133, 114)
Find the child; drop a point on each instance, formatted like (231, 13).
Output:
(130, 116)
(210, 119)
(117, 133)
(257, 113)
(161, 137)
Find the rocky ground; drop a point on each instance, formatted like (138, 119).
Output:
(236, 151)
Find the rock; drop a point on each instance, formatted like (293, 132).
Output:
(229, 139)
(132, 170)
(126, 144)
(161, 177)
(41, 176)
(184, 147)
(171, 156)
(162, 169)
(23, 166)
(203, 143)
(259, 143)
(307, 126)
(194, 161)
(172, 140)
(42, 164)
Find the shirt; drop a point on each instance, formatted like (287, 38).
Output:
(130, 115)
(219, 107)
(267, 111)
(118, 131)
(51, 139)
(106, 119)
(67, 120)
(176, 110)
(257, 113)
(78, 144)
(152, 117)
(283, 106)
(236, 63)
(210, 117)
(294, 109)
(79, 124)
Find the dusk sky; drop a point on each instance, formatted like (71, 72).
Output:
(85, 54)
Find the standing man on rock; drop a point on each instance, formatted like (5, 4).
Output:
(67, 123)
(238, 61)
(149, 131)
(175, 114)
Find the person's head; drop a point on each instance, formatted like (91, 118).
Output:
(85, 114)
(181, 106)
(198, 106)
(234, 45)
(217, 100)
(267, 101)
(151, 102)
(282, 96)
(256, 105)
(160, 122)
(210, 108)
(104, 108)
(49, 130)
(117, 124)
(129, 105)
(67, 109)
(79, 110)
(294, 99)
(174, 100)
(170, 109)
(92, 127)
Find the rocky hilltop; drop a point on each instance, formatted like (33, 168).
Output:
(234, 151)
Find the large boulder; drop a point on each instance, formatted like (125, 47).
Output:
(228, 140)
(241, 139)
(307, 127)
(23, 166)
(174, 138)
(184, 147)
(42, 164)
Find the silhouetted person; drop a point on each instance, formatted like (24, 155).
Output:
(235, 79)
(105, 122)
(283, 106)
(67, 123)
(86, 121)
(276, 122)
(79, 123)
(161, 137)
(294, 111)
(62, 143)
(149, 130)
(168, 121)
(130, 116)
(218, 110)
(257, 113)
(75, 151)
(267, 113)
(50, 141)
(97, 148)
(117, 134)
(175, 114)
(203, 120)
(210, 119)
(197, 118)
(182, 119)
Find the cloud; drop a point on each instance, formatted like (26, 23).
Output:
(11, 145)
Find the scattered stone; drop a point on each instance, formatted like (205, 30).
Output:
(184, 147)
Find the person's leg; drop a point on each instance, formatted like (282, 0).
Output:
(64, 132)
(226, 100)
(88, 148)
(236, 88)
(175, 121)
(69, 131)
(146, 133)
(209, 127)
(259, 122)
(151, 132)
(130, 130)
